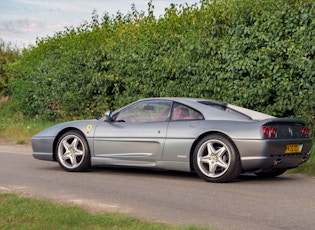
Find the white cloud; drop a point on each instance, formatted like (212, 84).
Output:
(23, 25)
(22, 21)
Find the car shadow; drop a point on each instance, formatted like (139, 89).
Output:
(250, 177)
(143, 172)
(246, 177)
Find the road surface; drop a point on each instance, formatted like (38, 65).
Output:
(175, 198)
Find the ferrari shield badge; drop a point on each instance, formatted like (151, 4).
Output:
(88, 128)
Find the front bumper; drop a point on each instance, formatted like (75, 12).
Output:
(43, 148)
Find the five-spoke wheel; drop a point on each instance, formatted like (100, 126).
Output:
(216, 159)
(73, 152)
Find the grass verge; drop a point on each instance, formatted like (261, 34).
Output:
(14, 128)
(307, 168)
(28, 213)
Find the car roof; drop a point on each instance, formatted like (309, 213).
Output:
(231, 112)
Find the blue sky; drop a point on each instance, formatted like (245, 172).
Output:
(22, 21)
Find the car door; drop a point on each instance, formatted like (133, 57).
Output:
(182, 132)
(137, 132)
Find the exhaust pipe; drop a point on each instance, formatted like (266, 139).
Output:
(277, 162)
(304, 159)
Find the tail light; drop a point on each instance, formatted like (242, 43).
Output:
(305, 131)
(272, 132)
(269, 131)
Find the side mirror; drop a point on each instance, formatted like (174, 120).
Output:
(109, 115)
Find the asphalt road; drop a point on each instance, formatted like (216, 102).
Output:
(286, 202)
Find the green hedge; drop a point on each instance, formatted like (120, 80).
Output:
(8, 55)
(253, 53)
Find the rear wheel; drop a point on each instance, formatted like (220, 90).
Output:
(73, 153)
(215, 159)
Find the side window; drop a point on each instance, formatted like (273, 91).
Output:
(145, 111)
(183, 112)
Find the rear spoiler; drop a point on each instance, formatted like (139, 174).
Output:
(283, 120)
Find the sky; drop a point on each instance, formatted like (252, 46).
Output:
(22, 21)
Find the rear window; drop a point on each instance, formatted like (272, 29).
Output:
(224, 108)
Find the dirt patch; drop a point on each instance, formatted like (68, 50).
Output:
(7, 140)
(13, 148)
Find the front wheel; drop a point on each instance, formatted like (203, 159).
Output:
(73, 153)
(215, 159)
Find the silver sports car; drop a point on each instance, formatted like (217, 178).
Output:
(216, 140)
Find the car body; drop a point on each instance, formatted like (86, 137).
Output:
(216, 140)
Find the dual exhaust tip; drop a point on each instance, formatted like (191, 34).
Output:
(279, 161)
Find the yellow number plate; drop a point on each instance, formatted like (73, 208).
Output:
(293, 148)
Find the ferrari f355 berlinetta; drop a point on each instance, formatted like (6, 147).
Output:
(216, 140)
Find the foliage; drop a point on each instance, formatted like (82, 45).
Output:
(254, 53)
(8, 54)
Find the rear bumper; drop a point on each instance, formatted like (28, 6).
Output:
(270, 154)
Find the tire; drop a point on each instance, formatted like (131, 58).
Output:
(215, 159)
(271, 173)
(72, 152)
